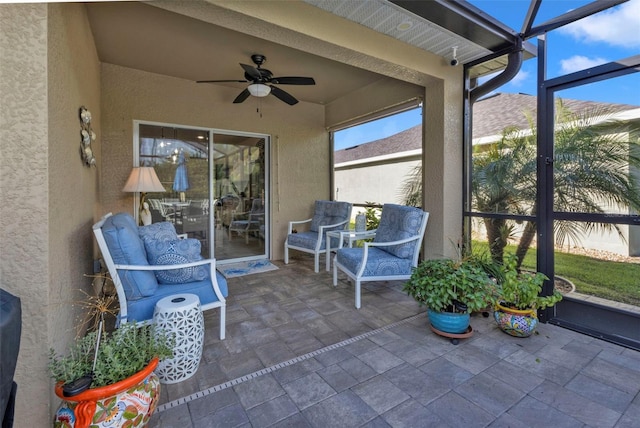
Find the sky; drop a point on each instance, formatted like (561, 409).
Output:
(608, 36)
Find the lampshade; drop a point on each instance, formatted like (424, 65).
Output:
(143, 179)
(259, 90)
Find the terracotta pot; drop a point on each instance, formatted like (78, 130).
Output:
(132, 401)
(516, 322)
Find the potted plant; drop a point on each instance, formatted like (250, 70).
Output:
(451, 290)
(519, 299)
(107, 379)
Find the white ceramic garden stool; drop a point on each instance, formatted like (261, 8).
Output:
(180, 316)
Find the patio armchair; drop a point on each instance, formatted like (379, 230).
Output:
(148, 263)
(244, 223)
(158, 211)
(328, 216)
(393, 253)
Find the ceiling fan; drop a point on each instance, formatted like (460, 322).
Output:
(262, 82)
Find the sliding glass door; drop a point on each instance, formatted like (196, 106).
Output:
(215, 186)
(239, 194)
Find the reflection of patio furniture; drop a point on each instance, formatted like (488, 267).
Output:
(328, 215)
(176, 208)
(195, 225)
(149, 263)
(228, 204)
(247, 222)
(393, 253)
(197, 207)
(158, 211)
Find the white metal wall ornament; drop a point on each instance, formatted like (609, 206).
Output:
(88, 136)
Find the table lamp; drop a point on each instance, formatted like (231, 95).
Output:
(143, 179)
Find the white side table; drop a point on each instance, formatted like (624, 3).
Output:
(180, 316)
(348, 236)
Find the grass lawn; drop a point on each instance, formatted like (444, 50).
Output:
(602, 278)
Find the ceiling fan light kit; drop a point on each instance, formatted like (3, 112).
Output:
(262, 82)
(259, 90)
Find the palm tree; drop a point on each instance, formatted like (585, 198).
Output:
(411, 190)
(502, 183)
(596, 162)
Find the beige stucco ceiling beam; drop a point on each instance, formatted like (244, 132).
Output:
(304, 27)
(368, 100)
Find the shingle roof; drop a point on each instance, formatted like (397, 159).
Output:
(411, 139)
(494, 113)
(491, 115)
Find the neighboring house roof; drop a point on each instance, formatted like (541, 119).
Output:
(491, 115)
(411, 139)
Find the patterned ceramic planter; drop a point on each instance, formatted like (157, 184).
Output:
(517, 323)
(449, 322)
(130, 403)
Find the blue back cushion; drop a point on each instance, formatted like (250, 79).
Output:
(399, 222)
(163, 230)
(175, 251)
(329, 212)
(126, 248)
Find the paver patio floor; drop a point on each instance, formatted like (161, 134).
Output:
(298, 354)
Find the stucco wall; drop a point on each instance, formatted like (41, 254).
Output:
(380, 183)
(442, 160)
(49, 69)
(74, 81)
(24, 231)
(300, 151)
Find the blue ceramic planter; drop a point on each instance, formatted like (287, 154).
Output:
(449, 322)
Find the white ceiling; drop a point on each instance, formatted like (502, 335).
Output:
(152, 39)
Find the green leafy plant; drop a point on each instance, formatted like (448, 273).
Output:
(593, 154)
(521, 290)
(442, 284)
(372, 215)
(121, 354)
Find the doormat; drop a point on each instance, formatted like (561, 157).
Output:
(233, 270)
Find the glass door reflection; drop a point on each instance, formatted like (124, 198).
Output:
(215, 187)
(180, 156)
(239, 187)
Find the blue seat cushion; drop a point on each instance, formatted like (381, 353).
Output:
(175, 251)
(125, 246)
(379, 262)
(399, 222)
(142, 309)
(307, 240)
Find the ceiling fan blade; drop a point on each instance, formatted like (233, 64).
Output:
(283, 96)
(243, 96)
(251, 71)
(221, 81)
(293, 80)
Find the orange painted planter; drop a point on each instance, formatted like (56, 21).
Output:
(79, 411)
